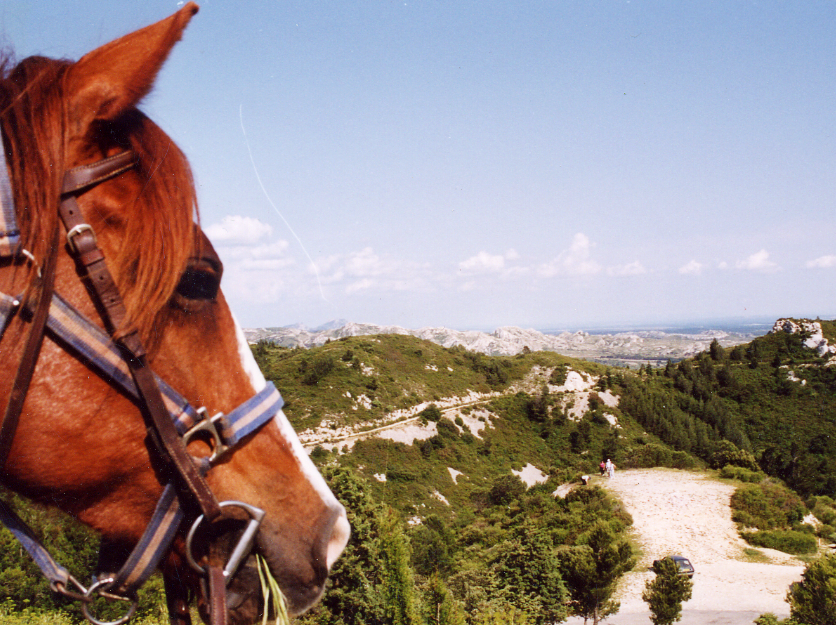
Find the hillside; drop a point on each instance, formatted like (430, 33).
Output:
(458, 442)
(623, 348)
(774, 398)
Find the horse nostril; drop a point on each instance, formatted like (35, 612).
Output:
(340, 533)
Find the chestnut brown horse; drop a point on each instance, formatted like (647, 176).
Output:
(81, 442)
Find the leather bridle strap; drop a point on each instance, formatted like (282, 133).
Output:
(84, 248)
(217, 595)
(31, 350)
(35, 335)
(177, 599)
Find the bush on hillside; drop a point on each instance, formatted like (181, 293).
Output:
(766, 506)
(824, 509)
(431, 413)
(652, 455)
(732, 472)
(813, 600)
(315, 369)
(788, 541)
(726, 452)
(558, 375)
(505, 490)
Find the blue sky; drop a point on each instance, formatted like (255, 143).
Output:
(475, 164)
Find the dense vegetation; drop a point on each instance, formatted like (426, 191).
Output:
(773, 398)
(504, 559)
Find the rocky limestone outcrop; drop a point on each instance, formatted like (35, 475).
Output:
(639, 346)
(813, 337)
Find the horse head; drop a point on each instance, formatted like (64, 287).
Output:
(82, 442)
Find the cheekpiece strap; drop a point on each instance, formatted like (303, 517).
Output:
(10, 245)
(54, 572)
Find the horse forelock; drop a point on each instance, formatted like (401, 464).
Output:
(158, 237)
(159, 224)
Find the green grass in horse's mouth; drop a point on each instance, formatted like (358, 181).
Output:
(272, 595)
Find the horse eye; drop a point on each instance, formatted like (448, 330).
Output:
(196, 284)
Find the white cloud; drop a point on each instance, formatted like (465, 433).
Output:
(691, 268)
(759, 261)
(483, 263)
(631, 269)
(238, 230)
(575, 261)
(823, 262)
(364, 270)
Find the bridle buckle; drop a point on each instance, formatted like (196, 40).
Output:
(209, 426)
(77, 230)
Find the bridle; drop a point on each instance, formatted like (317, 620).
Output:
(119, 357)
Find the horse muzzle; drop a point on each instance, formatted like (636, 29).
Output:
(302, 577)
(301, 568)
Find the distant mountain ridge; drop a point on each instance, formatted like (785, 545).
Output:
(635, 347)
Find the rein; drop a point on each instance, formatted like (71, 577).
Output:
(172, 422)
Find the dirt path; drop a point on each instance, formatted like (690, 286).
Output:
(687, 513)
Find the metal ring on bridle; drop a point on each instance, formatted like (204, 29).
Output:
(101, 587)
(80, 594)
(244, 543)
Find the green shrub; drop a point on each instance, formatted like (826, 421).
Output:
(505, 490)
(766, 506)
(653, 455)
(400, 475)
(431, 413)
(315, 369)
(447, 429)
(788, 541)
(824, 509)
(813, 600)
(726, 452)
(732, 472)
(826, 532)
(558, 375)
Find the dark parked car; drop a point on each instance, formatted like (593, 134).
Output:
(684, 564)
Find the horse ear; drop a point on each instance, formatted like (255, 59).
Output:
(109, 80)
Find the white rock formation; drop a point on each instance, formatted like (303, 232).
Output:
(815, 337)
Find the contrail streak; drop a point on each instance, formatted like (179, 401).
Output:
(269, 199)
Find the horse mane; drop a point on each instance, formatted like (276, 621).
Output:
(159, 230)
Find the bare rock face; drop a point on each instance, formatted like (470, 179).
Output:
(811, 331)
(630, 348)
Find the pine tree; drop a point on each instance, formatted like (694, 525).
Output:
(666, 593)
(813, 600)
(440, 607)
(529, 575)
(716, 351)
(372, 583)
(400, 598)
(592, 571)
